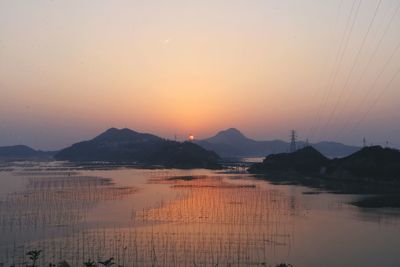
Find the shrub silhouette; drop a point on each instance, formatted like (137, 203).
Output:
(33, 256)
(108, 262)
(90, 263)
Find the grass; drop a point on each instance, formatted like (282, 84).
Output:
(34, 256)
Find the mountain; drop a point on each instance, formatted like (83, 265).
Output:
(305, 160)
(229, 136)
(22, 152)
(370, 163)
(125, 145)
(375, 162)
(232, 143)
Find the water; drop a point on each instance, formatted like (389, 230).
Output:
(184, 218)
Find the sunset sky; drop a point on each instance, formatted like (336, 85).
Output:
(71, 69)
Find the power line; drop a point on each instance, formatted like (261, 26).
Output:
(334, 30)
(342, 54)
(326, 93)
(379, 96)
(374, 84)
(339, 58)
(356, 60)
(369, 63)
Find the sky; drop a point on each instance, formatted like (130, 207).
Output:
(71, 69)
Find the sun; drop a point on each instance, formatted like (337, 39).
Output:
(191, 137)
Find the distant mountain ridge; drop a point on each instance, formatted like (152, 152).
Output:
(233, 143)
(22, 152)
(125, 145)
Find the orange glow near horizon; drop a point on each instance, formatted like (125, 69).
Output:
(261, 67)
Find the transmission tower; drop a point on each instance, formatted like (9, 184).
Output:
(293, 139)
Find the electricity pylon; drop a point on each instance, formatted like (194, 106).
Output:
(293, 139)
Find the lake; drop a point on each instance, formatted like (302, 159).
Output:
(166, 217)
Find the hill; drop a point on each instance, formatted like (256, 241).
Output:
(125, 145)
(22, 152)
(232, 143)
(370, 163)
(305, 160)
(373, 162)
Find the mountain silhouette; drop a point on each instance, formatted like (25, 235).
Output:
(369, 164)
(22, 152)
(229, 136)
(233, 143)
(305, 160)
(113, 135)
(125, 145)
(374, 161)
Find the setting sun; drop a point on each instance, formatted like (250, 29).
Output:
(200, 133)
(191, 137)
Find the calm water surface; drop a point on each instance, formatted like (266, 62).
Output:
(184, 218)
